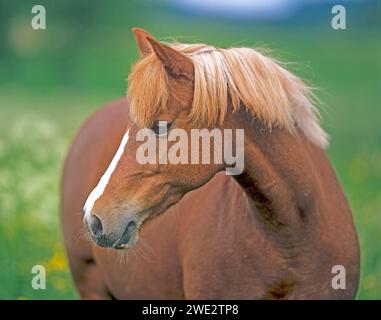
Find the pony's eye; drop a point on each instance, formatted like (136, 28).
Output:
(161, 128)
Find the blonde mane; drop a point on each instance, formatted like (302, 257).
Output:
(235, 76)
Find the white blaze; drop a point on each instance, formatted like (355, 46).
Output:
(101, 186)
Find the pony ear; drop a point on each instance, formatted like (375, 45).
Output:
(175, 62)
(141, 40)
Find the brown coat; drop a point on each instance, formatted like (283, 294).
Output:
(274, 232)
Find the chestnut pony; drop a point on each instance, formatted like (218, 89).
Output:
(279, 230)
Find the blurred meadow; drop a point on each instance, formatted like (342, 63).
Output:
(53, 79)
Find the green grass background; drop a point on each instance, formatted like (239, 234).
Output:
(51, 80)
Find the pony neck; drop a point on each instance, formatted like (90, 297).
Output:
(278, 175)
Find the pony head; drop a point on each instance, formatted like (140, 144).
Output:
(178, 88)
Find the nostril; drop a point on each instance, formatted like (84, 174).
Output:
(131, 226)
(96, 226)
